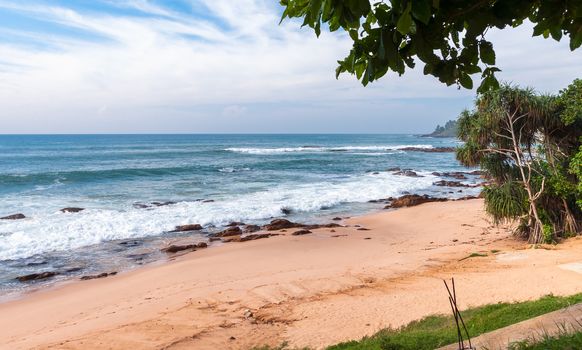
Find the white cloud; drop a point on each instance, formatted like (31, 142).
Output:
(167, 63)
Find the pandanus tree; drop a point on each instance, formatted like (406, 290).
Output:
(527, 146)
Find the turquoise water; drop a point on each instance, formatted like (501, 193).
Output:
(211, 179)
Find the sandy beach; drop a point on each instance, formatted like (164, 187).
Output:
(311, 290)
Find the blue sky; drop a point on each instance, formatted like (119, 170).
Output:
(139, 66)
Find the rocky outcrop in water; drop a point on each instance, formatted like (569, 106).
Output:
(101, 275)
(71, 210)
(411, 200)
(186, 228)
(231, 231)
(407, 172)
(280, 224)
(178, 248)
(14, 217)
(36, 276)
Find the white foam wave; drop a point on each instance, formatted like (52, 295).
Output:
(314, 149)
(55, 231)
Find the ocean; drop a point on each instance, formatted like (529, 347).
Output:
(136, 188)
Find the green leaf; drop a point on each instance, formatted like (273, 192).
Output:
(421, 10)
(486, 52)
(466, 81)
(405, 21)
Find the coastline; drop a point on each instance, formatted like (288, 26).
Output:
(311, 290)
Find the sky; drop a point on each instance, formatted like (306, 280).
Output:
(220, 66)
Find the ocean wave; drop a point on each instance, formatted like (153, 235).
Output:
(55, 231)
(232, 170)
(313, 149)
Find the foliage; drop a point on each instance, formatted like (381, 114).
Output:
(448, 130)
(448, 37)
(564, 341)
(527, 144)
(434, 331)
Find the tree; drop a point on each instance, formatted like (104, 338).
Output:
(528, 144)
(447, 36)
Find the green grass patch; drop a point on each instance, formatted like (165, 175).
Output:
(495, 251)
(435, 331)
(571, 341)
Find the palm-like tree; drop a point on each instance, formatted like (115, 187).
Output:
(521, 141)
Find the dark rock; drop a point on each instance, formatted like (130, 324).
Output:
(337, 218)
(363, 229)
(130, 243)
(71, 210)
(101, 275)
(140, 206)
(450, 183)
(408, 173)
(301, 232)
(467, 198)
(456, 174)
(213, 239)
(235, 223)
(178, 248)
(286, 211)
(161, 204)
(251, 228)
(208, 201)
(393, 169)
(256, 236)
(279, 224)
(202, 245)
(14, 217)
(436, 173)
(411, 200)
(185, 228)
(231, 231)
(37, 276)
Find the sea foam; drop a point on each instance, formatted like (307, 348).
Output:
(56, 231)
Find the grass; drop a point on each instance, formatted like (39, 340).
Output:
(572, 341)
(438, 330)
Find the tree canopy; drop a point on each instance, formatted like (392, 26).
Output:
(530, 146)
(448, 37)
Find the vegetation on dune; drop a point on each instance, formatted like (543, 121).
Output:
(564, 341)
(447, 37)
(435, 331)
(530, 146)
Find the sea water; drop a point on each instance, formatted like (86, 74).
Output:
(205, 179)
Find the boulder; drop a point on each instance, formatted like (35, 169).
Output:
(408, 173)
(231, 231)
(185, 228)
(279, 224)
(14, 217)
(201, 245)
(301, 232)
(337, 218)
(456, 175)
(251, 228)
(37, 276)
(71, 210)
(235, 223)
(411, 200)
(178, 248)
